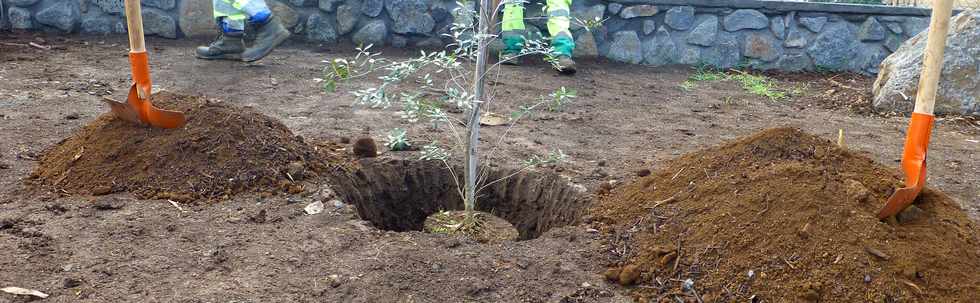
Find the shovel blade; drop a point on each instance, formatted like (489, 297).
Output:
(902, 198)
(150, 114)
(123, 111)
(913, 165)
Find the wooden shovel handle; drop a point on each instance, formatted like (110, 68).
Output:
(932, 64)
(134, 21)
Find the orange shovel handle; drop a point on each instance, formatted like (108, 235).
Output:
(913, 165)
(916, 145)
(140, 64)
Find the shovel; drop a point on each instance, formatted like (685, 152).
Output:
(138, 108)
(920, 126)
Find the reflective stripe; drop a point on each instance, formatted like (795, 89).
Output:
(239, 4)
(558, 24)
(229, 25)
(558, 13)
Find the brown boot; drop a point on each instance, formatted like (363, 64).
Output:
(226, 47)
(565, 66)
(267, 37)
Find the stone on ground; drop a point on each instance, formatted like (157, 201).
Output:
(959, 85)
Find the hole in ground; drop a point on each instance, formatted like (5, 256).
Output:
(399, 194)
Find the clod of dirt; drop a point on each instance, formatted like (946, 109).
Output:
(643, 172)
(365, 148)
(799, 213)
(480, 226)
(612, 274)
(223, 150)
(629, 275)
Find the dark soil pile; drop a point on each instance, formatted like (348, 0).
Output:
(785, 216)
(221, 151)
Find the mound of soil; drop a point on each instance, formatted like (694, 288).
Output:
(221, 151)
(784, 216)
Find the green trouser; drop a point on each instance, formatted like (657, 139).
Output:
(512, 29)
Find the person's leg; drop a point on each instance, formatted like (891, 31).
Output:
(512, 30)
(559, 21)
(229, 44)
(269, 32)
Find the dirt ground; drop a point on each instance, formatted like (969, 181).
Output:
(255, 249)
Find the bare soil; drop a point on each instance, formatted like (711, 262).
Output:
(223, 150)
(261, 248)
(786, 216)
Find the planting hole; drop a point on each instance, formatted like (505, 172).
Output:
(398, 195)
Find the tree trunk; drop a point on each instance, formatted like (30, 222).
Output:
(473, 123)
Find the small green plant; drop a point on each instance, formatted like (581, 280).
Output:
(555, 156)
(559, 98)
(687, 85)
(760, 85)
(704, 72)
(591, 24)
(554, 102)
(397, 140)
(800, 89)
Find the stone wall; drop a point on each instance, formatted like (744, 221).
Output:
(762, 34)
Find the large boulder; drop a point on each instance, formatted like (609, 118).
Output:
(626, 47)
(347, 16)
(158, 22)
(638, 11)
(20, 18)
(410, 16)
(661, 50)
(745, 19)
(835, 47)
(195, 18)
(320, 28)
(680, 18)
(287, 15)
(959, 85)
(704, 34)
(585, 45)
(372, 33)
(62, 15)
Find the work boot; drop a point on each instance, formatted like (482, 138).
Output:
(267, 36)
(226, 46)
(566, 65)
(509, 58)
